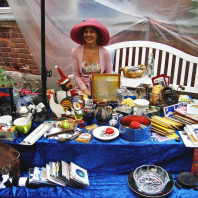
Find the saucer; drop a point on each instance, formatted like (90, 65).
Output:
(97, 132)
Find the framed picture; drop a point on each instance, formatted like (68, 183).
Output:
(5, 101)
(159, 80)
(170, 110)
(167, 79)
(104, 86)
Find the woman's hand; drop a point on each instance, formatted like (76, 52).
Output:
(87, 92)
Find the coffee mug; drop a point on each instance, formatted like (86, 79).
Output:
(60, 95)
(6, 120)
(21, 128)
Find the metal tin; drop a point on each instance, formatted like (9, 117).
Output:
(135, 135)
(8, 136)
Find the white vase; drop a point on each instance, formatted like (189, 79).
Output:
(60, 95)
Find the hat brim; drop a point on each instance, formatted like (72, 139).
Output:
(76, 32)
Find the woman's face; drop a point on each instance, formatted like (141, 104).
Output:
(90, 36)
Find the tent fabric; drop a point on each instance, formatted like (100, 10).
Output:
(172, 22)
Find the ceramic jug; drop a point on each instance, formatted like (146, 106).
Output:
(102, 112)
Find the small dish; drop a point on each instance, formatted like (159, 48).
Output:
(97, 133)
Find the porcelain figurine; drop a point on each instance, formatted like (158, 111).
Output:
(114, 121)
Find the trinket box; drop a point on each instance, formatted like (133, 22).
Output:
(8, 135)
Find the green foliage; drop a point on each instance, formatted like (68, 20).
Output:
(4, 81)
(78, 115)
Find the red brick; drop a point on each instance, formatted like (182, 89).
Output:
(22, 60)
(20, 35)
(3, 44)
(4, 40)
(25, 55)
(6, 59)
(2, 63)
(5, 34)
(36, 72)
(16, 64)
(4, 54)
(17, 55)
(5, 49)
(20, 40)
(32, 66)
(26, 51)
(29, 56)
(14, 40)
(26, 71)
(30, 61)
(15, 50)
(15, 35)
(9, 68)
(4, 29)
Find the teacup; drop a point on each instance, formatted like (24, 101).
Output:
(6, 120)
(21, 127)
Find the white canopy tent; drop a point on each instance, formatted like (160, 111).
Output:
(172, 22)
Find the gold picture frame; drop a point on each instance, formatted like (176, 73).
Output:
(104, 86)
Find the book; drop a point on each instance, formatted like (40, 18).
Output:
(192, 110)
(191, 137)
(185, 98)
(79, 175)
(84, 137)
(192, 132)
(187, 142)
(64, 172)
(37, 175)
(50, 172)
(182, 111)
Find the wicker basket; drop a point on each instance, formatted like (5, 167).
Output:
(133, 74)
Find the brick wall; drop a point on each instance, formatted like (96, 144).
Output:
(14, 52)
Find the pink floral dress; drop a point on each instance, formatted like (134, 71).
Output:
(88, 70)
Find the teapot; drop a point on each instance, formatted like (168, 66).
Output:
(22, 111)
(102, 112)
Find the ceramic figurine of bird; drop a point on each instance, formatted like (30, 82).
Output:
(56, 108)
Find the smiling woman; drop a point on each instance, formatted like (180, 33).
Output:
(90, 57)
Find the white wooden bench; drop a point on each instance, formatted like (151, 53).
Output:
(181, 67)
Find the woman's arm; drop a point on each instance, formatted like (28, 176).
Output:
(108, 63)
(87, 92)
(76, 71)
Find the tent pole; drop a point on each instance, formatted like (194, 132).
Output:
(43, 66)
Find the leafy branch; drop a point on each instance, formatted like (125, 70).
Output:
(78, 115)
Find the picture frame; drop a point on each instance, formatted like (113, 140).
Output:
(6, 101)
(167, 79)
(169, 111)
(104, 86)
(159, 80)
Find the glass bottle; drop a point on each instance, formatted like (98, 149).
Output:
(150, 66)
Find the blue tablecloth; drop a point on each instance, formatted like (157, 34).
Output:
(112, 186)
(105, 158)
(108, 164)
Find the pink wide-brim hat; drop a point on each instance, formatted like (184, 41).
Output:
(76, 33)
